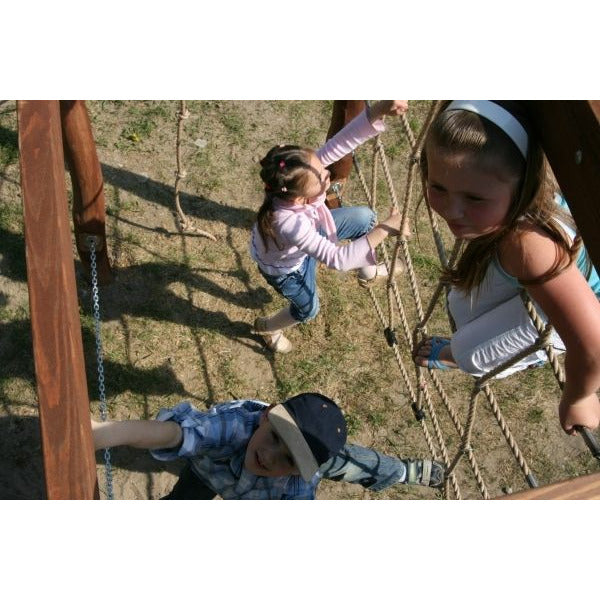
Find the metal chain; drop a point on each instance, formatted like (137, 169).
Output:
(100, 361)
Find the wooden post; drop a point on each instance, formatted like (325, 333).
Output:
(569, 131)
(586, 487)
(343, 112)
(68, 453)
(86, 176)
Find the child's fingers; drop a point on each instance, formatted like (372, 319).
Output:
(398, 107)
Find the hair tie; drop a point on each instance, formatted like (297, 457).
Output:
(281, 164)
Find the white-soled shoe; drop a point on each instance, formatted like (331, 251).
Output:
(274, 340)
(277, 342)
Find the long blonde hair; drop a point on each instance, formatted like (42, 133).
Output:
(461, 131)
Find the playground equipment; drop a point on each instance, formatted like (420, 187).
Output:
(69, 463)
(422, 388)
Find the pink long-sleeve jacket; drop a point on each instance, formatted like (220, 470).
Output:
(297, 226)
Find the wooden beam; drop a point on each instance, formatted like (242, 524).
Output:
(569, 131)
(68, 453)
(342, 113)
(89, 214)
(586, 487)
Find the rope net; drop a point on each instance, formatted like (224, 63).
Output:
(448, 419)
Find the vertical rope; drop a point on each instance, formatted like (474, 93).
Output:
(180, 174)
(465, 446)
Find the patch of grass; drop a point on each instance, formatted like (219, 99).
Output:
(303, 375)
(11, 216)
(233, 123)
(397, 148)
(535, 415)
(376, 418)
(428, 266)
(9, 147)
(312, 136)
(229, 373)
(287, 387)
(353, 423)
(143, 121)
(202, 158)
(414, 123)
(12, 251)
(127, 206)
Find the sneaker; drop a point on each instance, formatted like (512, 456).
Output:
(426, 472)
(274, 340)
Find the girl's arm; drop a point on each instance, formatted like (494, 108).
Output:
(391, 226)
(385, 108)
(362, 128)
(137, 434)
(574, 311)
(359, 253)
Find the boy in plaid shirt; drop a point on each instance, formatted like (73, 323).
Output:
(249, 450)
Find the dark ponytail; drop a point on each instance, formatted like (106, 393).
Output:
(284, 172)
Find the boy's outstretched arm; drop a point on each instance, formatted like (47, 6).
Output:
(137, 434)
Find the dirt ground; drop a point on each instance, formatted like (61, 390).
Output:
(176, 321)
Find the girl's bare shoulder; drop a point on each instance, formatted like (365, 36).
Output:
(528, 252)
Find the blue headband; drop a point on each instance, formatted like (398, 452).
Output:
(498, 116)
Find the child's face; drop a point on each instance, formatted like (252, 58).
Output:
(318, 181)
(472, 200)
(267, 455)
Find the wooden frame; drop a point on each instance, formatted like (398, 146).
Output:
(68, 453)
(586, 487)
(570, 134)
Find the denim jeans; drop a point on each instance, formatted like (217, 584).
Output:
(367, 467)
(300, 286)
(353, 464)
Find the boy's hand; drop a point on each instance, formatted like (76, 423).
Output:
(383, 108)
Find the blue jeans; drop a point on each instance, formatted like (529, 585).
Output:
(369, 468)
(300, 286)
(353, 464)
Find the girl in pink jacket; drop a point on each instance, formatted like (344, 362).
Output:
(295, 229)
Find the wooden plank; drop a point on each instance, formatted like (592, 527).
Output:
(569, 131)
(586, 487)
(68, 453)
(342, 113)
(89, 214)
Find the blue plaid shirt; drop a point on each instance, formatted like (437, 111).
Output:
(215, 444)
